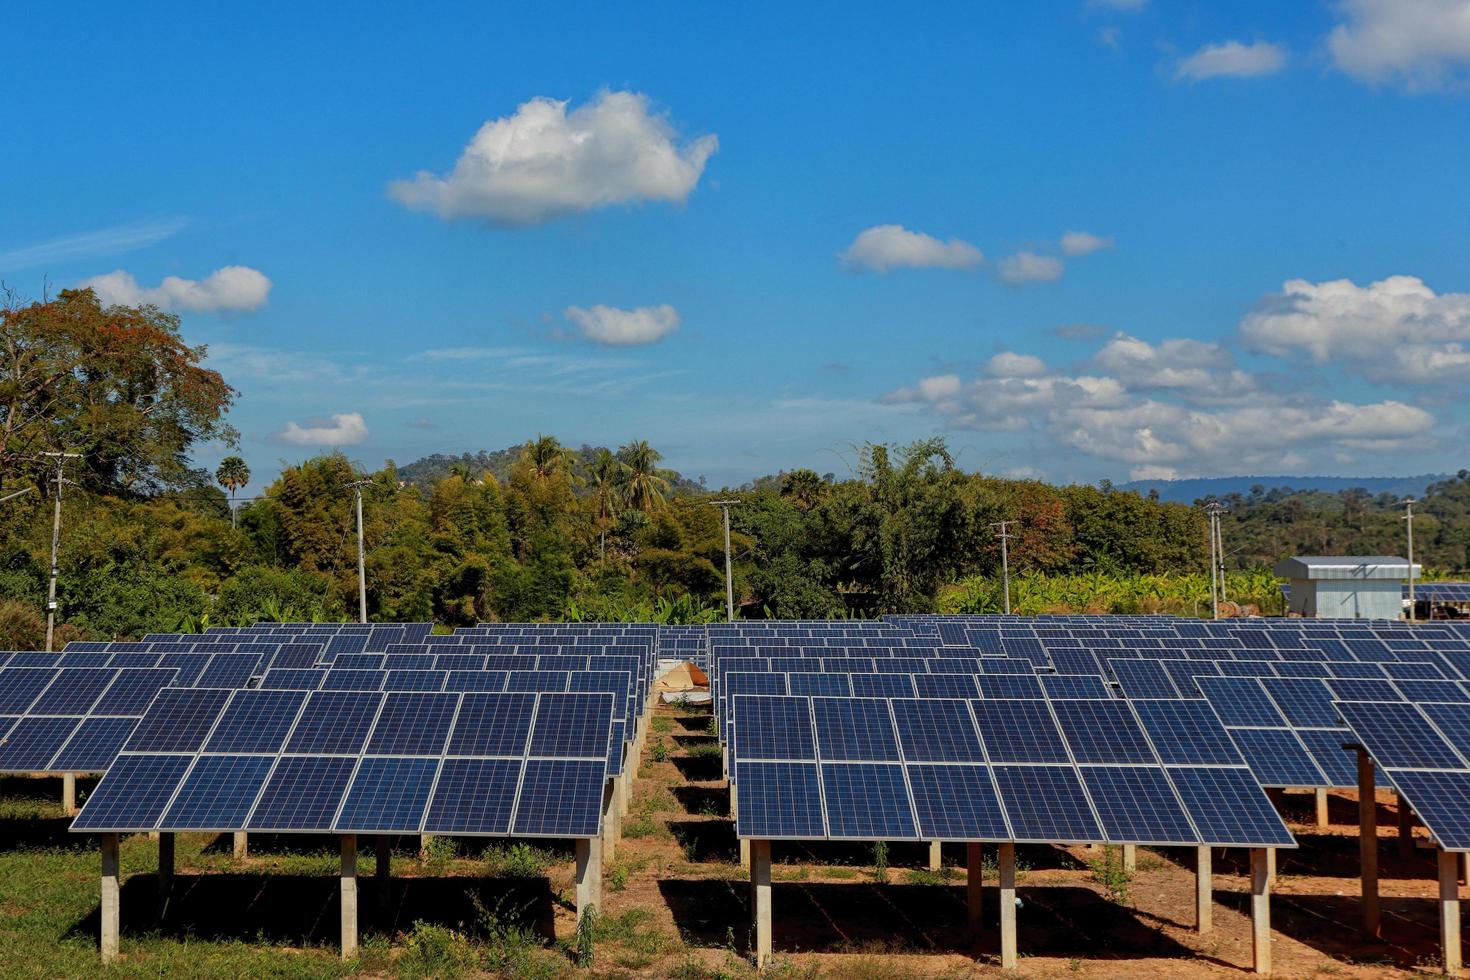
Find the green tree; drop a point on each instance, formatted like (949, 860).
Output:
(607, 495)
(232, 474)
(643, 485)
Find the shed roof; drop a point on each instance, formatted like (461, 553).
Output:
(1376, 567)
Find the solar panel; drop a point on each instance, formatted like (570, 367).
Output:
(1325, 746)
(867, 801)
(388, 794)
(335, 722)
(937, 731)
(492, 725)
(1102, 731)
(133, 793)
(94, 745)
(1019, 731)
(413, 724)
(1277, 758)
(74, 691)
(1046, 804)
(772, 727)
(1136, 805)
(779, 800)
(256, 721)
(219, 792)
(854, 729)
(178, 721)
(1065, 686)
(1442, 802)
(1186, 732)
(1228, 807)
(1143, 678)
(31, 743)
(1241, 701)
(474, 796)
(133, 690)
(303, 793)
(1399, 737)
(956, 802)
(574, 726)
(20, 686)
(560, 798)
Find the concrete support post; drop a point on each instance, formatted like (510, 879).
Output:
(744, 852)
(1260, 910)
(623, 797)
(589, 876)
(69, 793)
(1271, 864)
(165, 871)
(1130, 857)
(111, 909)
(974, 876)
(936, 855)
(1007, 901)
(383, 871)
(1449, 912)
(349, 896)
(1405, 828)
(1368, 844)
(760, 900)
(241, 847)
(610, 797)
(1322, 819)
(1204, 897)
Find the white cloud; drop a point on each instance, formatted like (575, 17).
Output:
(343, 429)
(104, 241)
(1009, 364)
(1421, 44)
(885, 247)
(1024, 267)
(545, 162)
(1198, 371)
(1111, 37)
(613, 327)
(1393, 330)
(1231, 59)
(234, 288)
(1078, 243)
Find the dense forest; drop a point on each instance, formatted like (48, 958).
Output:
(542, 531)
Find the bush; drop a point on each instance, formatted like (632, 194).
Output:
(21, 626)
(517, 861)
(434, 951)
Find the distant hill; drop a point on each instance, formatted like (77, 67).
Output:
(423, 472)
(1188, 491)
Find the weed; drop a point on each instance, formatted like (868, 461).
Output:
(617, 878)
(642, 825)
(880, 862)
(706, 750)
(713, 728)
(924, 876)
(585, 944)
(841, 874)
(1109, 872)
(433, 951)
(663, 724)
(659, 752)
(517, 861)
(709, 808)
(437, 852)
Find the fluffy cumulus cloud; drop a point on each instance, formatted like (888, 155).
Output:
(343, 429)
(232, 289)
(1078, 243)
(1419, 44)
(885, 247)
(612, 327)
(1394, 330)
(545, 162)
(1232, 59)
(1163, 410)
(1029, 267)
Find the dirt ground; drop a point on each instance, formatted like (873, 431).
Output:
(835, 914)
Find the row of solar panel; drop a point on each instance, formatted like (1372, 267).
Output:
(357, 762)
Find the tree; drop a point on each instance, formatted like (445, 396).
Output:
(643, 485)
(232, 474)
(607, 495)
(803, 487)
(117, 384)
(548, 457)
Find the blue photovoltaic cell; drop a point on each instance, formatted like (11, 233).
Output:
(945, 686)
(534, 681)
(178, 720)
(187, 665)
(1429, 691)
(1137, 805)
(256, 721)
(133, 793)
(1046, 803)
(1241, 701)
(1229, 807)
(1102, 731)
(1069, 686)
(292, 679)
(474, 796)
(94, 745)
(778, 800)
(778, 728)
(20, 686)
(1143, 678)
(228, 670)
(415, 680)
(334, 722)
(1004, 665)
(359, 661)
(458, 661)
(882, 686)
(817, 685)
(1019, 731)
(854, 729)
(133, 690)
(413, 723)
(387, 794)
(302, 794)
(1442, 801)
(1363, 689)
(867, 801)
(354, 680)
(937, 731)
(572, 726)
(1185, 732)
(218, 793)
(409, 661)
(1453, 721)
(1003, 686)
(1398, 736)
(34, 659)
(1306, 702)
(74, 691)
(32, 743)
(955, 803)
(1421, 671)
(484, 681)
(1338, 764)
(560, 798)
(1277, 758)
(492, 724)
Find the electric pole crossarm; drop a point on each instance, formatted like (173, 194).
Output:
(61, 459)
(725, 506)
(1003, 532)
(357, 487)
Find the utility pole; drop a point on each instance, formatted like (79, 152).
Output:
(356, 487)
(18, 493)
(1217, 565)
(1408, 520)
(1003, 532)
(725, 506)
(61, 459)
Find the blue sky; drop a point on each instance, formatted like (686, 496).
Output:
(760, 238)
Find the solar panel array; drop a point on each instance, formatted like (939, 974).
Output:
(290, 761)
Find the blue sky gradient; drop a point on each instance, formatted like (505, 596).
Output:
(176, 140)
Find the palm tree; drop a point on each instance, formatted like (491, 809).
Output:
(232, 474)
(548, 456)
(643, 486)
(607, 472)
(803, 487)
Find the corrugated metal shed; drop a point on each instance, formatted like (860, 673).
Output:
(1346, 586)
(1337, 567)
